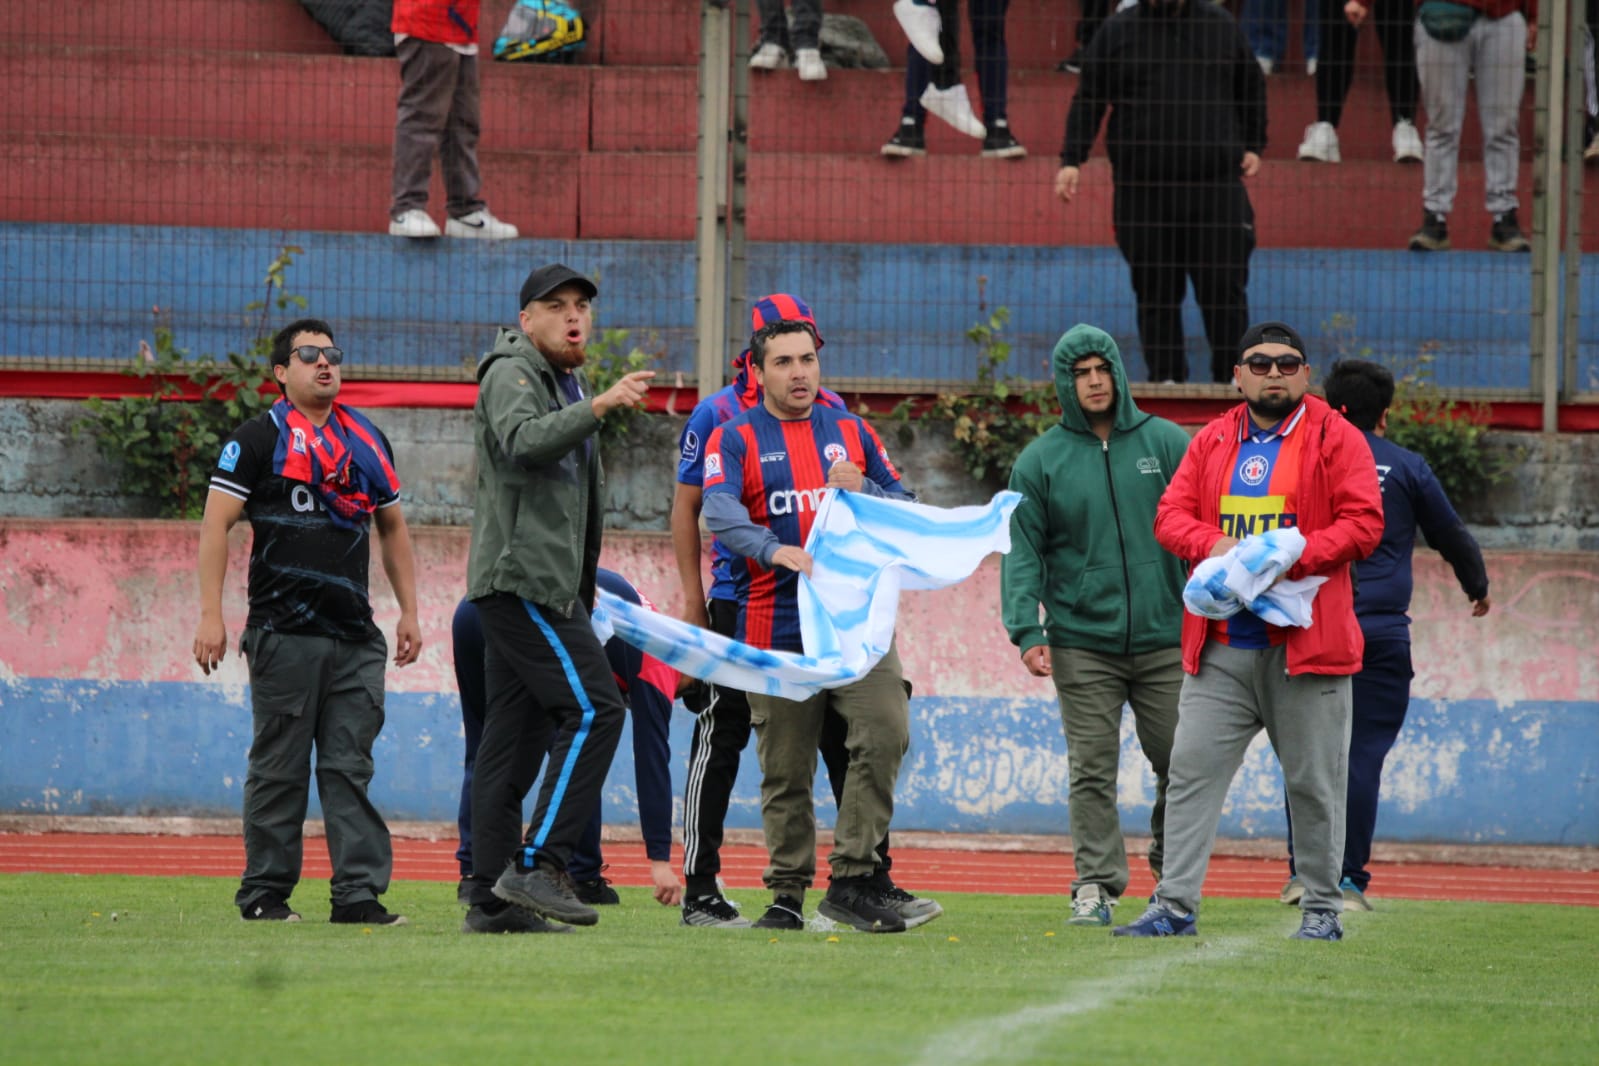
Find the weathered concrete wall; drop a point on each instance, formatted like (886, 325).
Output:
(1549, 501)
(102, 711)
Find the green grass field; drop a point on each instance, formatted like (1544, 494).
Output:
(161, 970)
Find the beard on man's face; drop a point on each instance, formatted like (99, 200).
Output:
(565, 356)
(1274, 408)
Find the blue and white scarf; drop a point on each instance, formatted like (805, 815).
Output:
(865, 551)
(1250, 576)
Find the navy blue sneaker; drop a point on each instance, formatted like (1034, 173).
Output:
(1158, 920)
(1319, 925)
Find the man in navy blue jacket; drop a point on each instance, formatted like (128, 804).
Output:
(1411, 499)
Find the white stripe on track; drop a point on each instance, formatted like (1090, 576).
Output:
(1014, 1036)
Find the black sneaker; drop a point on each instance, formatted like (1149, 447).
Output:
(713, 912)
(999, 144)
(1072, 64)
(915, 910)
(545, 891)
(907, 141)
(1506, 235)
(463, 892)
(786, 912)
(1433, 236)
(502, 917)
(856, 902)
(268, 907)
(366, 912)
(596, 891)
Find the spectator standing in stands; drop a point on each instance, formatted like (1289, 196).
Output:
(936, 87)
(1412, 499)
(1458, 44)
(1093, 14)
(438, 115)
(1083, 552)
(536, 530)
(313, 477)
(1280, 458)
(649, 687)
(777, 41)
(1187, 105)
(1340, 34)
(1265, 24)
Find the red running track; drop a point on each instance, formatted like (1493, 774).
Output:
(920, 869)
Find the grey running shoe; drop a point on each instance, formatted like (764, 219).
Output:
(546, 892)
(506, 918)
(915, 910)
(1354, 898)
(1319, 925)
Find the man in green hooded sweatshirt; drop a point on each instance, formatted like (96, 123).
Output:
(1083, 548)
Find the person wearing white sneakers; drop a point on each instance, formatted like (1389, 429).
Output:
(438, 115)
(776, 37)
(1340, 31)
(936, 87)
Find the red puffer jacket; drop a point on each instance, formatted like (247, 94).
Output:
(440, 21)
(1340, 513)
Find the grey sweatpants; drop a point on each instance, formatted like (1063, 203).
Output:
(1492, 51)
(1235, 695)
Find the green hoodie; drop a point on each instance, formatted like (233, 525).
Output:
(1082, 539)
(537, 519)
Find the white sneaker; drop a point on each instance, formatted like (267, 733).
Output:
(480, 225)
(955, 107)
(1310, 67)
(1320, 144)
(1267, 65)
(921, 24)
(769, 56)
(1407, 142)
(414, 223)
(809, 62)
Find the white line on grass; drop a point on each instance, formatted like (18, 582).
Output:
(1013, 1036)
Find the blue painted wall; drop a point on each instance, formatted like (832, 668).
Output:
(1465, 771)
(891, 312)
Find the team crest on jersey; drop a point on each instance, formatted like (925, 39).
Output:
(1254, 470)
(713, 465)
(230, 456)
(298, 441)
(835, 453)
(691, 446)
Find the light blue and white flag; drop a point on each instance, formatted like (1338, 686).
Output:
(1250, 575)
(865, 551)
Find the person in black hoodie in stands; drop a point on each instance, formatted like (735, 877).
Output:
(1187, 105)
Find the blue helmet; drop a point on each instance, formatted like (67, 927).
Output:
(540, 29)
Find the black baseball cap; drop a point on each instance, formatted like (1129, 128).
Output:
(1271, 333)
(546, 279)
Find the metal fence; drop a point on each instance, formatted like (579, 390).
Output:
(163, 154)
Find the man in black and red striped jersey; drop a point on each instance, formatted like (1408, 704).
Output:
(766, 472)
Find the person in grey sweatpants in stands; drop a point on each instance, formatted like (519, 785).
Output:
(1482, 41)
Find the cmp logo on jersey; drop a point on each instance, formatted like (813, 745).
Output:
(794, 501)
(835, 453)
(230, 457)
(713, 465)
(691, 446)
(1254, 469)
(1149, 464)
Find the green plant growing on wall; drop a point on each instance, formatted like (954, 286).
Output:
(609, 360)
(163, 446)
(1000, 415)
(1447, 433)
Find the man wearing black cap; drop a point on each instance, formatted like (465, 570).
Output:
(1281, 458)
(535, 551)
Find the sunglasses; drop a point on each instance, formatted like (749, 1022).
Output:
(308, 354)
(1287, 365)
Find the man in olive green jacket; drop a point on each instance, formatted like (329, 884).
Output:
(1083, 549)
(536, 532)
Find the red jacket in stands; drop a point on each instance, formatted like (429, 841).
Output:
(440, 21)
(1339, 512)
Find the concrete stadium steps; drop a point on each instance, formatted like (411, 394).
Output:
(939, 199)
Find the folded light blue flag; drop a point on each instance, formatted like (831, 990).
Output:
(865, 551)
(1250, 576)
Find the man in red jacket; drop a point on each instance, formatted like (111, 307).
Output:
(438, 115)
(1281, 458)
